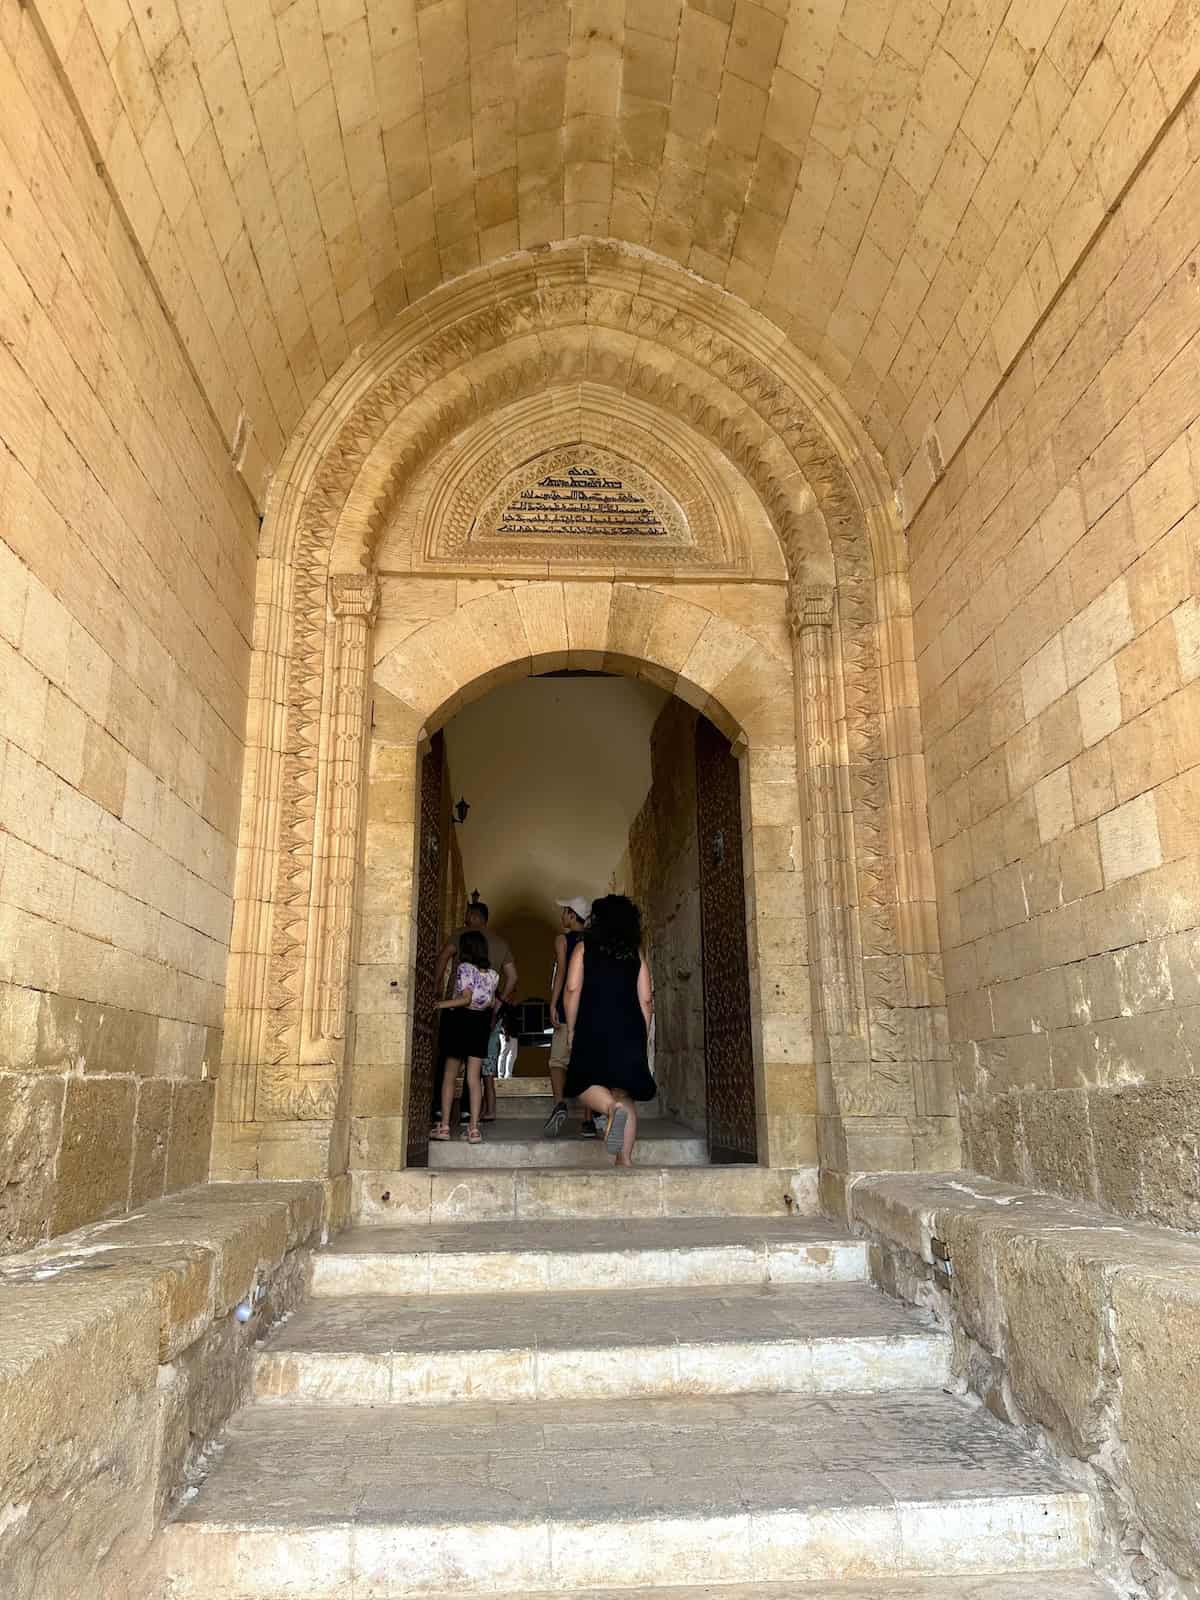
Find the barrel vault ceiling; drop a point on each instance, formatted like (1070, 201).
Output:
(901, 185)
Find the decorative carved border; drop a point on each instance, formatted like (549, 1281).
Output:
(767, 431)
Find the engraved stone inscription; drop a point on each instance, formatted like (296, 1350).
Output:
(580, 501)
(577, 497)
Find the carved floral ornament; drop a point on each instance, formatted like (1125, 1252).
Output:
(645, 329)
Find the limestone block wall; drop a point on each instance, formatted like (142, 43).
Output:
(1055, 576)
(663, 875)
(127, 551)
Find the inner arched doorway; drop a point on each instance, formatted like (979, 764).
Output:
(739, 677)
(583, 783)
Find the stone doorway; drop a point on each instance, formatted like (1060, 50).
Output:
(586, 782)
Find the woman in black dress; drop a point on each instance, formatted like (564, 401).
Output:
(608, 1004)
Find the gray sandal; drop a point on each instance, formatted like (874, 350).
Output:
(614, 1133)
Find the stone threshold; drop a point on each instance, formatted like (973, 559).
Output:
(424, 1196)
(519, 1142)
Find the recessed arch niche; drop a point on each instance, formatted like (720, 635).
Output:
(831, 592)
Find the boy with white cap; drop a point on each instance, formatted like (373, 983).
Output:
(574, 915)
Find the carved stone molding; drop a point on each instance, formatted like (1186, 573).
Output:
(354, 595)
(828, 841)
(811, 606)
(354, 600)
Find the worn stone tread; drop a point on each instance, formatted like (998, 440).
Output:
(587, 1235)
(757, 1339)
(313, 1465)
(606, 1254)
(376, 1324)
(985, 1586)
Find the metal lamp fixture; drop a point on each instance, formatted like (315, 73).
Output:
(461, 809)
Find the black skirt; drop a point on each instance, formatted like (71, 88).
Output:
(465, 1032)
(609, 1048)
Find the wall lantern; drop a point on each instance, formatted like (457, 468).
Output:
(461, 809)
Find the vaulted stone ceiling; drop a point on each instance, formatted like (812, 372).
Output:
(901, 185)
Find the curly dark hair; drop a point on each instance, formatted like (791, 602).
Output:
(473, 947)
(616, 927)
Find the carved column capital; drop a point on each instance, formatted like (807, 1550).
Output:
(354, 594)
(810, 606)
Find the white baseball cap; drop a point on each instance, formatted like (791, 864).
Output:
(581, 907)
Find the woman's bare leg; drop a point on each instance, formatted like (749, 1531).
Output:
(474, 1087)
(449, 1079)
(598, 1099)
(625, 1158)
(489, 1099)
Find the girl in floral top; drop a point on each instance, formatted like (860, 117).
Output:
(466, 1030)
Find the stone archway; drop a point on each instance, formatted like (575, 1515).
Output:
(641, 332)
(690, 650)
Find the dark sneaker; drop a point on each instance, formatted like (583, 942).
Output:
(588, 1129)
(555, 1120)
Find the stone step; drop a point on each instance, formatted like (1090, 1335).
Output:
(519, 1142)
(437, 1349)
(989, 1586)
(413, 1195)
(609, 1253)
(330, 1502)
(522, 1088)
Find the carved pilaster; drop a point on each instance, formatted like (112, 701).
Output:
(811, 615)
(354, 600)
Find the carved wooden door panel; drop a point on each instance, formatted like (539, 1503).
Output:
(428, 887)
(728, 1049)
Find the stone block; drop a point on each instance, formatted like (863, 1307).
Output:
(77, 1396)
(1129, 841)
(1058, 1142)
(30, 1131)
(1052, 1298)
(19, 1008)
(1145, 1139)
(96, 1154)
(151, 1140)
(1156, 1333)
(190, 1144)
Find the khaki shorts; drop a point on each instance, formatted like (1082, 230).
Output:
(560, 1054)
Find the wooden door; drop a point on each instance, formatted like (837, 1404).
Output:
(728, 1046)
(429, 895)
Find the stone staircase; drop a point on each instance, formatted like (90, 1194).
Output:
(532, 1382)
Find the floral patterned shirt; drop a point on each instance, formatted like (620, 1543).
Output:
(481, 984)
